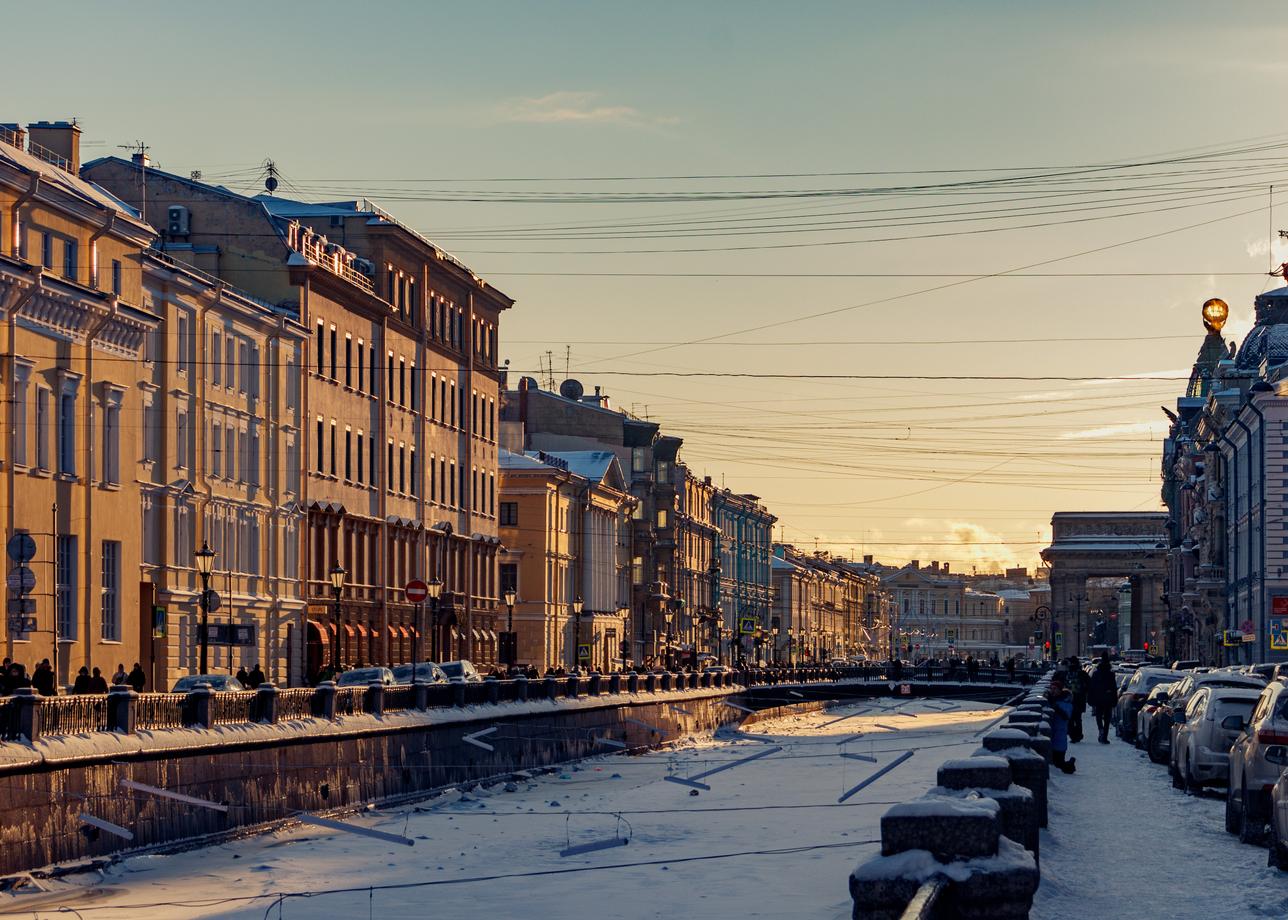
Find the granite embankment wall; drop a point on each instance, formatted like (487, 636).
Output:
(265, 773)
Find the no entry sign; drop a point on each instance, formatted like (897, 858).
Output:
(416, 591)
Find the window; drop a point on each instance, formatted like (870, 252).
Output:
(509, 577)
(230, 452)
(182, 343)
(216, 357)
(442, 479)
(111, 604)
(321, 446)
(661, 517)
(389, 466)
(402, 467)
(360, 456)
(116, 276)
(112, 438)
(371, 364)
(334, 375)
(332, 447)
(348, 454)
(411, 379)
(389, 377)
(411, 473)
(321, 347)
(637, 570)
(453, 416)
(402, 381)
(65, 581)
(491, 491)
(181, 438)
(348, 360)
(371, 462)
(452, 482)
(361, 365)
(46, 250)
(509, 514)
(639, 459)
(21, 374)
(433, 478)
(67, 429)
(44, 400)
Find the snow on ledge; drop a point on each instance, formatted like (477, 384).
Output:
(937, 806)
(920, 866)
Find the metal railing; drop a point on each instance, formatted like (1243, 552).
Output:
(73, 715)
(231, 707)
(295, 703)
(350, 701)
(400, 698)
(162, 710)
(9, 730)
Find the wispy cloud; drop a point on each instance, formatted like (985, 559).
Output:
(1153, 428)
(575, 107)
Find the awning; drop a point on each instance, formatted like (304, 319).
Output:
(478, 636)
(404, 632)
(455, 633)
(348, 629)
(491, 634)
(393, 630)
(362, 630)
(318, 626)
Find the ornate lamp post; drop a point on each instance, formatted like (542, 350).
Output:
(511, 645)
(791, 660)
(205, 560)
(577, 606)
(667, 617)
(777, 657)
(435, 587)
(337, 574)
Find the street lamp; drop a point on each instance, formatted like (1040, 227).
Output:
(435, 588)
(774, 630)
(791, 661)
(577, 606)
(511, 646)
(337, 574)
(667, 617)
(205, 560)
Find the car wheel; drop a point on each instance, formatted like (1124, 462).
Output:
(1192, 786)
(1249, 827)
(1231, 812)
(1155, 747)
(1175, 773)
(1278, 852)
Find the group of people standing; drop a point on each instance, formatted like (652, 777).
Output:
(1071, 691)
(43, 680)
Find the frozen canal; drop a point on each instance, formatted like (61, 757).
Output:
(768, 839)
(1124, 843)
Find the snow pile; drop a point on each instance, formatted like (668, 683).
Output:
(933, 806)
(921, 866)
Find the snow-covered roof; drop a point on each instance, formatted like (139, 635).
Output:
(66, 182)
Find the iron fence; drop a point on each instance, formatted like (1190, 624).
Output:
(162, 710)
(295, 703)
(73, 715)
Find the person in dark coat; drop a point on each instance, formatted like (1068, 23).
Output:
(896, 669)
(1078, 685)
(15, 677)
(136, 678)
(1010, 669)
(81, 684)
(255, 677)
(98, 683)
(242, 677)
(1061, 701)
(43, 679)
(972, 668)
(1102, 694)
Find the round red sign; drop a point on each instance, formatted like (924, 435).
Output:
(416, 591)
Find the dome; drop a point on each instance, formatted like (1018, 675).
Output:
(1268, 339)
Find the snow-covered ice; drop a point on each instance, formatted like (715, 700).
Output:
(783, 847)
(1123, 843)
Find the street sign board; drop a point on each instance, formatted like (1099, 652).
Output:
(1279, 634)
(230, 633)
(583, 652)
(23, 605)
(21, 579)
(1059, 640)
(21, 548)
(1231, 638)
(158, 622)
(416, 590)
(22, 624)
(213, 600)
(746, 625)
(905, 689)
(1032, 642)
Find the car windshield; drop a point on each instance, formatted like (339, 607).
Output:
(1227, 707)
(216, 682)
(360, 675)
(452, 669)
(424, 671)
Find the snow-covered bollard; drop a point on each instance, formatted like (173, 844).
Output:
(990, 775)
(1028, 769)
(121, 700)
(956, 839)
(1001, 738)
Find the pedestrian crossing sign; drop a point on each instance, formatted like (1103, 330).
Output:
(583, 652)
(747, 625)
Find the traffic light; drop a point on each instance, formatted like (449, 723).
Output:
(1046, 646)
(1147, 646)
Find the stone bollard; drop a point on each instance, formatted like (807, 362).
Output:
(266, 703)
(1030, 770)
(592, 688)
(666, 680)
(422, 696)
(521, 689)
(374, 704)
(614, 683)
(650, 683)
(26, 713)
(704, 680)
(632, 682)
(572, 687)
(990, 775)
(494, 692)
(552, 688)
(693, 681)
(955, 838)
(198, 706)
(458, 695)
(121, 704)
(324, 700)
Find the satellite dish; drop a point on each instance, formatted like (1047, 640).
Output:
(571, 389)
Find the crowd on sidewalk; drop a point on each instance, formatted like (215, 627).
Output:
(13, 675)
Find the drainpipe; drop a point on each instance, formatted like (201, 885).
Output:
(468, 498)
(1247, 501)
(1261, 503)
(113, 306)
(33, 186)
(108, 223)
(1230, 477)
(12, 309)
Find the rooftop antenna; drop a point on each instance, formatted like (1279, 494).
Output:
(139, 154)
(567, 361)
(270, 176)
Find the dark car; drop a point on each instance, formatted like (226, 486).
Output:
(217, 682)
(426, 673)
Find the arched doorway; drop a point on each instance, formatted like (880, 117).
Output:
(315, 647)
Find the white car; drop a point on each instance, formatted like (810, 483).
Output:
(461, 672)
(1206, 730)
(1257, 758)
(365, 677)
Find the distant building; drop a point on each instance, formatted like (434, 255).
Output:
(938, 615)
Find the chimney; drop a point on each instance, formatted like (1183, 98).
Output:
(61, 138)
(141, 159)
(867, 560)
(916, 563)
(945, 568)
(12, 134)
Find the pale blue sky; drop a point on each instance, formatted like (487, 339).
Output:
(360, 95)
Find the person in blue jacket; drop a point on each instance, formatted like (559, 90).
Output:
(1061, 701)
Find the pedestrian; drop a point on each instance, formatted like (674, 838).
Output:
(1102, 694)
(1010, 669)
(1061, 701)
(43, 679)
(242, 677)
(98, 683)
(81, 684)
(137, 679)
(972, 668)
(1078, 686)
(119, 678)
(15, 677)
(256, 676)
(896, 669)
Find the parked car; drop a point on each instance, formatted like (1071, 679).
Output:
(461, 672)
(1279, 823)
(362, 677)
(715, 669)
(1265, 670)
(1257, 758)
(1159, 742)
(217, 682)
(1154, 703)
(1205, 731)
(426, 673)
(1133, 697)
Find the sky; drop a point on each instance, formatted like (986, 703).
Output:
(423, 106)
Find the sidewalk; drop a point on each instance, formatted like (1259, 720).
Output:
(1124, 843)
